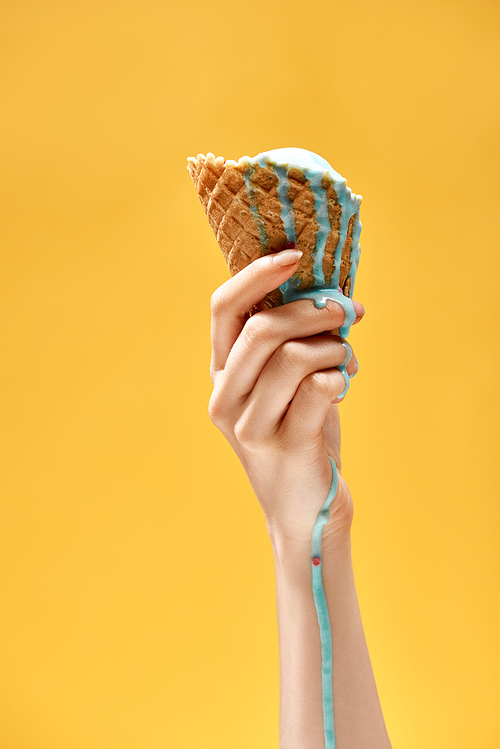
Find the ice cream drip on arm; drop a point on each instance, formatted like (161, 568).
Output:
(325, 627)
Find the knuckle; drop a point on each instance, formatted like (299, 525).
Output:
(334, 313)
(257, 329)
(219, 302)
(216, 410)
(339, 350)
(320, 384)
(291, 356)
(245, 433)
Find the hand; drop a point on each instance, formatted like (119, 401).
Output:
(276, 387)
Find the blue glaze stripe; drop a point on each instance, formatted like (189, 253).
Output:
(252, 198)
(288, 290)
(355, 250)
(353, 269)
(346, 201)
(323, 222)
(286, 211)
(320, 602)
(356, 231)
(347, 380)
(341, 190)
(343, 369)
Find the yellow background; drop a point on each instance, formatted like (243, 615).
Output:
(137, 585)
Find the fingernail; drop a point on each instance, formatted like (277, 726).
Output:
(287, 257)
(357, 368)
(358, 308)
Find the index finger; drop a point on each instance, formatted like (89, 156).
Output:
(232, 301)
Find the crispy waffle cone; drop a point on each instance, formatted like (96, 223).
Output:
(244, 236)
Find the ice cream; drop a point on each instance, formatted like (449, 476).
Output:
(286, 197)
(282, 197)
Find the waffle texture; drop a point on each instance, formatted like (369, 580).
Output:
(248, 227)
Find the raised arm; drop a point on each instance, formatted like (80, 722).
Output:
(275, 392)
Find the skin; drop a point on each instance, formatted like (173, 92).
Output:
(275, 399)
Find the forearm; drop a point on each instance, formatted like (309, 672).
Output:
(359, 723)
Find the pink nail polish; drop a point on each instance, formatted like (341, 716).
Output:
(359, 309)
(287, 257)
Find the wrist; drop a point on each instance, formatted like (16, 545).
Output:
(291, 538)
(292, 551)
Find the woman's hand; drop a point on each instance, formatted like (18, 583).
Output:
(275, 389)
(275, 392)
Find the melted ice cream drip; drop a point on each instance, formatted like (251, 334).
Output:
(314, 168)
(320, 602)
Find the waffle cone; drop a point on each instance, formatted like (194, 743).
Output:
(245, 235)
